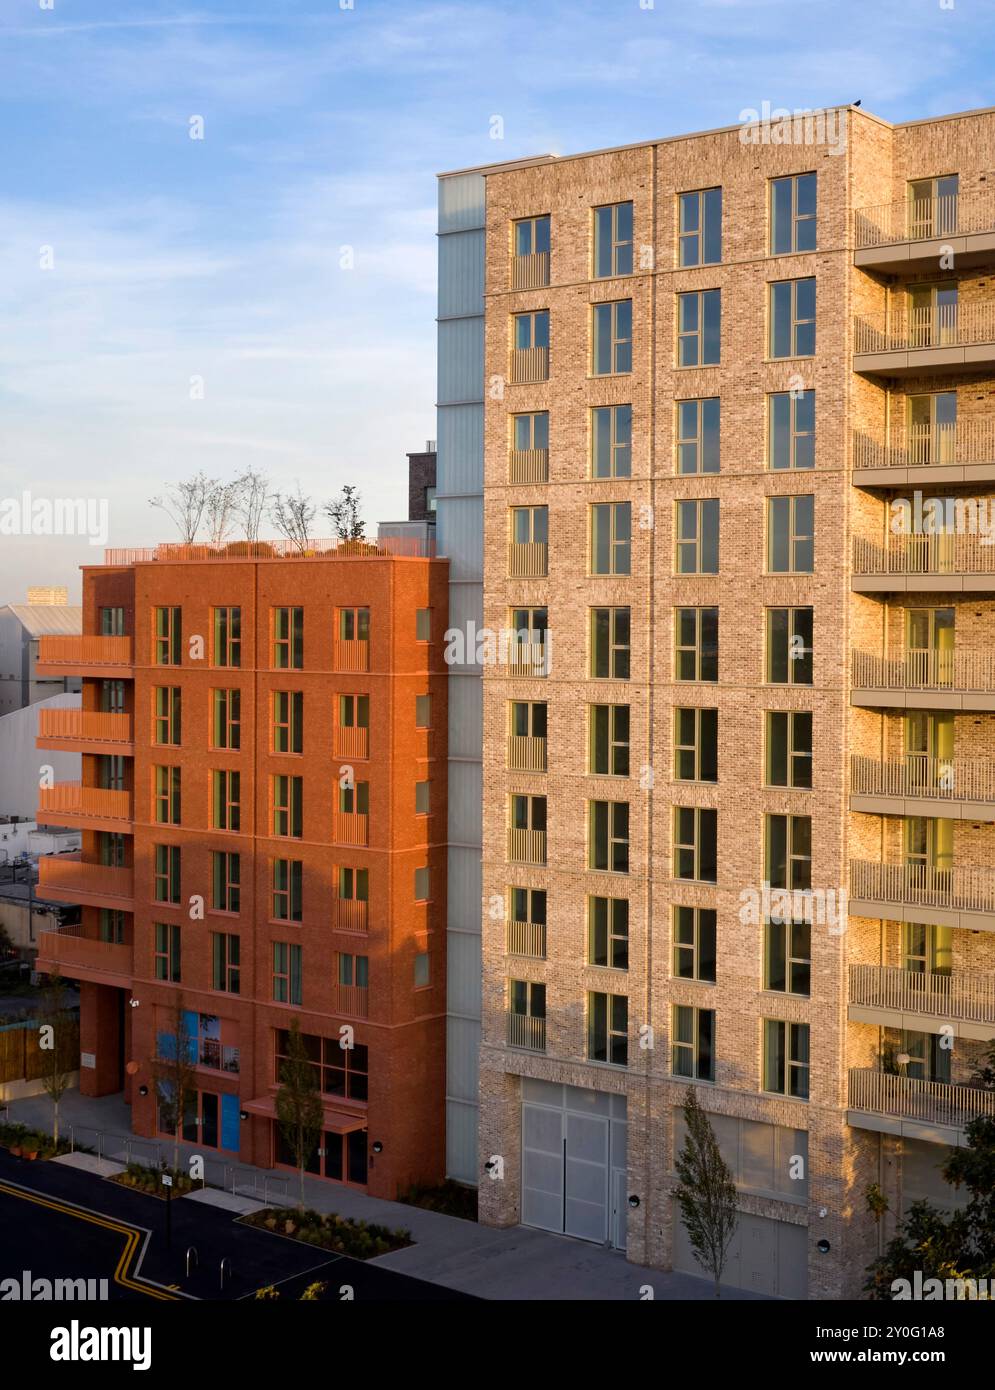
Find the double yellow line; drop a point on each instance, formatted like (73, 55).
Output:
(132, 1236)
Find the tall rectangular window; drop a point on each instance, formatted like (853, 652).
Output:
(226, 881)
(226, 809)
(788, 957)
(792, 318)
(166, 795)
(789, 748)
(166, 955)
(788, 852)
(608, 836)
(698, 436)
(610, 639)
(694, 943)
(288, 639)
(287, 973)
(529, 432)
(786, 1058)
(168, 641)
(611, 339)
(611, 538)
(697, 535)
(693, 1042)
(166, 874)
(226, 718)
(225, 958)
(612, 240)
(791, 430)
(608, 740)
(111, 622)
(227, 636)
(700, 227)
(608, 1029)
(288, 806)
(791, 534)
(166, 717)
(531, 330)
(696, 644)
(789, 646)
(696, 744)
(608, 932)
(792, 214)
(288, 890)
(288, 721)
(699, 328)
(354, 624)
(695, 848)
(611, 441)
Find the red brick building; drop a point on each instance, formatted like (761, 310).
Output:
(263, 808)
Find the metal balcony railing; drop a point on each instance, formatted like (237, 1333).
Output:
(963, 997)
(84, 726)
(352, 1000)
(920, 219)
(528, 560)
(916, 775)
(530, 272)
(943, 325)
(350, 914)
(526, 1031)
(72, 799)
(963, 889)
(68, 874)
(526, 939)
(529, 365)
(965, 441)
(352, 742)
(933, 1102)
(925, 670)
(947, 553)
(528, 466)
(527, 659)
(351, 828)
(526, 754)
(527, 846)
(352, 654)
(59, 653)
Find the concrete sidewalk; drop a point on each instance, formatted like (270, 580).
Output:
(517, 1263)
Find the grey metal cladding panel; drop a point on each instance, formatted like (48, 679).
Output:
(465, 886)
(460, 466)
(460, 536)
(466, 605)
(461, 274)
(462, 1051)
(461, 360)
(463, 989)
(465, 797)
(461, 1141)
(462, 202)
(466, 716)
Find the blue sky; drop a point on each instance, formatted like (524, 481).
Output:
(324, 128)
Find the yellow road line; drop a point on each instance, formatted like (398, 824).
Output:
(132, 1237)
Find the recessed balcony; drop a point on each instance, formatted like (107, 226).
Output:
(527, 1032)
(928, 456)
(90, 808)
(945, 563)
(917, 785)
(65, 878)
(85, 731)
(922, 1001)
(924, 680)
(928, 341)
(932, 1110)
(526, 754)
(526, 939)
(528, 466)
(70, 953)
(527, 847)
(956, 897)
(913, 234)
(85, 656)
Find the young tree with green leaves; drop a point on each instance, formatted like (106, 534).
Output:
(173, 1074)
(58, 1043)
(706, 1194)
(298, 1104)
(343, 512)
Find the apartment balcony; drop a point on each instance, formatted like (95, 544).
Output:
(350, 828)
(948, 338)
(75, 956)
(526, 939)
(928, 456)
(527, 659)
(922, 1002)
(527, 847)
(350, 914)
(89, 808)
(529, 365)
(530, 272)
(527, 1032)
(85, 656)
(85, 731)
(914, 234)
(64, 878)
(932, 1110)
(352, 654)
(351, 1000)
(528, 561)
(957, 897)
(924, 680)
(526, 754)
(218, 1056)
(528, 466)
(953, 562)
(916, 785)
(351, 743)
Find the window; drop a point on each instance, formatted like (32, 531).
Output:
(608, 740)
(611, 441)
(696, 644)
(112, 697)
(791, 534)
(422, 798)
(700, 227)
(692, 1051)
(288, 806)
(226, 716)
(530, 237)
(166, 874)
(698, 436)
(608, 1029)
(354, 884)
(531, 331)
(111, 926)
(111, 849)
(529, 525)
(354, 800)
(288, 721)
(166, 649)
(789, 748)
(792, 214)
(695, 831)
(166, 719)
(225, 961)
(610, 653)
(791, 430)
(288, 639)
(287, 973)
(423, 973)
(110, 772)
(423, 624)
(166, 956)
(697, 536)
(288, 890)
(608, 932)
(699, 328)
(166, 795)
(792, 318)
(227, 636)
(226, 878)
(423, 884)
(788, 957)
(431, 504)
(696, 744)
(226, 811)
(786, 1058)
(529, 432)
(527, 650)
(789, 852)
(611, 346)
(608, 836)
(527, 1014)
(929, 1055)
(353, 971)
(612, 240)
(611, 538)
(423, 711)
(789, 646)
(354, 624)
(694, 943)
(933, 206)
(111, 622)
(931, 427)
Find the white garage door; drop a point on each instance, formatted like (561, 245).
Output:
(769, 1257)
